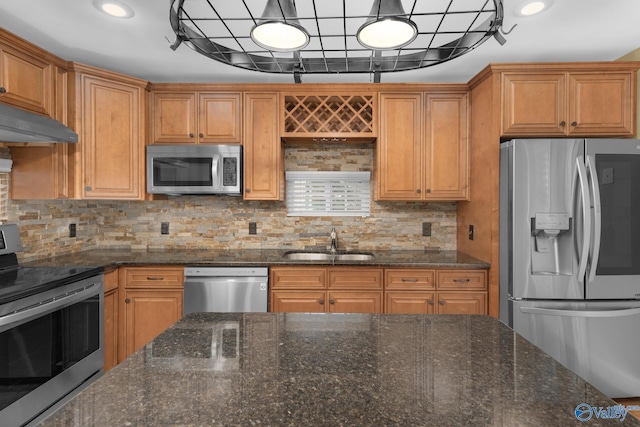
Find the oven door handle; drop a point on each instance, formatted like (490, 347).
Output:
(50, 305)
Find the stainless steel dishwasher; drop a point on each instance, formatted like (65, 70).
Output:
(225, 289)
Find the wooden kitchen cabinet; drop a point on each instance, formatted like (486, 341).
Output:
(111, 305)
(27, 76)
(326, 289)
(151, 300)
(575, 103)
(109, 119)
(414, 291)
(197, 117)
(422, 151)
(263, 153)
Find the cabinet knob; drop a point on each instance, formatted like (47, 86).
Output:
(331, 301)
(441, 302)
(247, 190)
(127, 300)
(574, 123)
(190, 135)
(428, 190)
(3, 90)
(321, 301)
(418, 191)
(562, 123)
(431, 301)
(87, 188)
(201, 135)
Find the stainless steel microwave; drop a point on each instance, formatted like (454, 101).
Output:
(194, 169)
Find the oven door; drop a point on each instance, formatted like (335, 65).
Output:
(49, 347)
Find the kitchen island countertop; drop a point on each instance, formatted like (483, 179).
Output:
(278, 369)
(428, 258)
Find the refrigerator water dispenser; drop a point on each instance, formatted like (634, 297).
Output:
(551, 243)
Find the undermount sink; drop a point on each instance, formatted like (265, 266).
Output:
(328, 256)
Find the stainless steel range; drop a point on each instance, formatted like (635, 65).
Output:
(51, 333)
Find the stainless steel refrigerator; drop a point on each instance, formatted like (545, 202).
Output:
(570, 254)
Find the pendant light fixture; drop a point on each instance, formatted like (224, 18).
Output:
(387, 27)
(278, 29)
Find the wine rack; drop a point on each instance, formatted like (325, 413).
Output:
(327, 118)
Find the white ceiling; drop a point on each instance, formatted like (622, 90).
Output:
(571, 30)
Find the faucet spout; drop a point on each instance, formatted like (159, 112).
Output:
(334, 241)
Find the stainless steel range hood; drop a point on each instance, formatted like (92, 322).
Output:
(22, 126)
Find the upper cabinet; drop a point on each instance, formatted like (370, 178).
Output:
(27, 76)
(329, 117)
(197, 117)
(263, 153)
(109, 118)
(422, 150)
(568, 103)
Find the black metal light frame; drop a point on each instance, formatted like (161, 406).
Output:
(237, 49)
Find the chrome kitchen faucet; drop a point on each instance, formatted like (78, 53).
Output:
(334, 241)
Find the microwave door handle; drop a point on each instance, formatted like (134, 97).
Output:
(215, 171)
(586, 226)
(597, 217)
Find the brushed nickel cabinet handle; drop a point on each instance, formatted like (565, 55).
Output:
(405, 280)
(154, 278)
(461, 280)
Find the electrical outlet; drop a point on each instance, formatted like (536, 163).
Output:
(164, 228)
(426, 229)
(253, 228)
(470, 232)
(72, 230)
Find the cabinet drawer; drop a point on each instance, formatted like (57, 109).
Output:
(355, 278)
(409, 279)
(153, 277)
(298, 277)
(462, 279)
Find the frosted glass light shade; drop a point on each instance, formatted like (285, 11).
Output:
(278, 29)
(387, 27)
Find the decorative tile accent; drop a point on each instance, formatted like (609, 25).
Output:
(222, 222)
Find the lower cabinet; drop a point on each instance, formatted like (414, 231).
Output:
(376, 290)
(110, 319)
(151, 300)
(326, 289)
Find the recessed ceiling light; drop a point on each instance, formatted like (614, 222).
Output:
(114, 8)
(530, 8)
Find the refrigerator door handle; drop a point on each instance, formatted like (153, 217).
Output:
(586, 206)
(597, 217)
(582, 313)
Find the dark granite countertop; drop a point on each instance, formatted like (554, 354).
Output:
(253, 257)
(284, 369)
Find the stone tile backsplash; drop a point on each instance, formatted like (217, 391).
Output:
(222, 222)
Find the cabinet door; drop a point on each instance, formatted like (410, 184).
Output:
(298, 301)
(219, 118)
(112, 140)
(533, 104)
(407, 302)
(26, 81)
(174, 117)
(355, 302)
(147, 314)
(263, 162)
(601, 104)
(462, 302)
(399, 172)
(446, 151)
